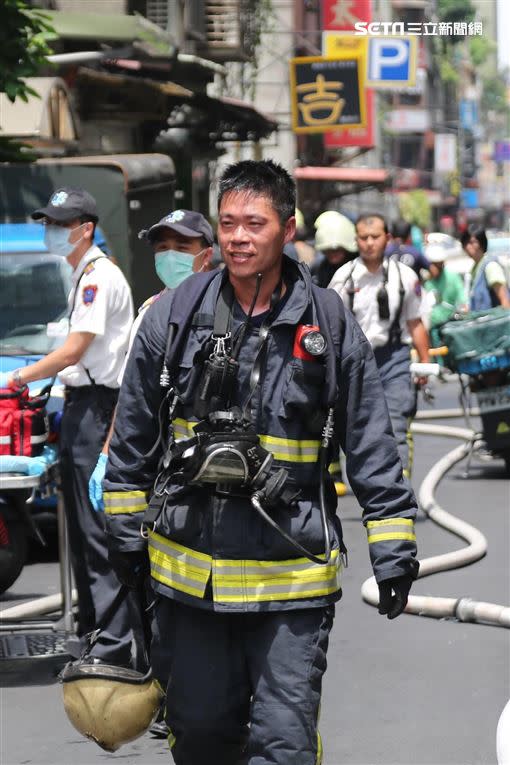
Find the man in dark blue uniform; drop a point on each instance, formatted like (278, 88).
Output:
(402, 249)
(264, 375)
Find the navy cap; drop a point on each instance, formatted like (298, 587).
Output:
(185, 222)
(68, 204)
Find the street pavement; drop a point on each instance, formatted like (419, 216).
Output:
(415, 690)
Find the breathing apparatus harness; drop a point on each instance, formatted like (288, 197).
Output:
(225, 450)
(383, 303)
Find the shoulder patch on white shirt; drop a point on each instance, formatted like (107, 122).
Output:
(89, 293)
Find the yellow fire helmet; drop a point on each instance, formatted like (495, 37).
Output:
(110, 705)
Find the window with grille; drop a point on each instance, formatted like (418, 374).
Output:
(157, 12)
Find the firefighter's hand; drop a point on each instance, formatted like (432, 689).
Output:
(130, 567)
(96, 484)
(393, 595)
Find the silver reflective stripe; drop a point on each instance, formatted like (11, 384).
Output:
(179, 567)
(244, 568)
(183, 555)
(5, 439)
(285, 590)
(244, 591)
(258, 581)
(390, 529)
(38, 439)
(125, 501)
(177, 579)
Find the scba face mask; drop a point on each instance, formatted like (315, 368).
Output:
(173, 266)
(57, 241)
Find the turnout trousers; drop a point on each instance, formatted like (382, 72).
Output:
(87, 415)
(242, 688)
(393, 362)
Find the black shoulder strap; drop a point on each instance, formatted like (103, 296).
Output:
(331, 315)
(394, 333)
(185, 303)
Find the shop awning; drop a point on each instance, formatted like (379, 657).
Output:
(364, 175)
(139, 99)
(43, 120)
(111, 28)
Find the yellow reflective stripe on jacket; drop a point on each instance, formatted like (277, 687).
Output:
(177, 566)
(183, 428)
(283, 449)
(391, 528)
(335, 467)
(250, 581)
(291, 449)
(318, 759)
(240, 581)
(124, 502)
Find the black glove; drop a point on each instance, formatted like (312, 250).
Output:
(393, 605)
(130, 567)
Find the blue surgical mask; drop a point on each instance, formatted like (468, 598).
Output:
(173, 267)
(57, 241)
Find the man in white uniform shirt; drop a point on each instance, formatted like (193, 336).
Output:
(88, 363)
(385, 297)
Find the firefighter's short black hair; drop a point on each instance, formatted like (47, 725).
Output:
(263, 178)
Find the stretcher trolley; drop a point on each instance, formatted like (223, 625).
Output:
(34, 635)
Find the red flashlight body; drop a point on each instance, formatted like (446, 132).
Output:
(298, 351)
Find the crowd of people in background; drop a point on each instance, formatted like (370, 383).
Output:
(450, 285)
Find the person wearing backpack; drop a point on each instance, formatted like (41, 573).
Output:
(100, 316)
(385, 297)
(238, 389)
(489, 282)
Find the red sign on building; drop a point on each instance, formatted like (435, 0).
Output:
(343, 14)
(359, 136)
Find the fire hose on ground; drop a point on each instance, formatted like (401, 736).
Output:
(464, 609)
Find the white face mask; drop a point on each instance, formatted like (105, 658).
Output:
(57, 241)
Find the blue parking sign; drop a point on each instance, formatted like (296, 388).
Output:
(391, 62)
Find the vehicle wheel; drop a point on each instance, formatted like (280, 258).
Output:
(13, 551)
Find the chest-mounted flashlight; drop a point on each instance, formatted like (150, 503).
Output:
(309, 342)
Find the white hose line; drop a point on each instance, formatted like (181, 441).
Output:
(464, 609)
(45, 605)
(444, 414)
(503, 736)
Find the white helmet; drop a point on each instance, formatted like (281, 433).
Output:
(451, 246)
(334, 232)
(435, 253)
(330, 216)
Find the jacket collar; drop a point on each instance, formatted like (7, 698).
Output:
(296, 276)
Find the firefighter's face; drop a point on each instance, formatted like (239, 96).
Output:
(251, 235)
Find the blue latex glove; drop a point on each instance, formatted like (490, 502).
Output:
(96, 484)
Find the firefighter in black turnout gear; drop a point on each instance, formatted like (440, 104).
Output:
(218, 474)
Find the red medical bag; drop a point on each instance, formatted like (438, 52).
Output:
(23, 422)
